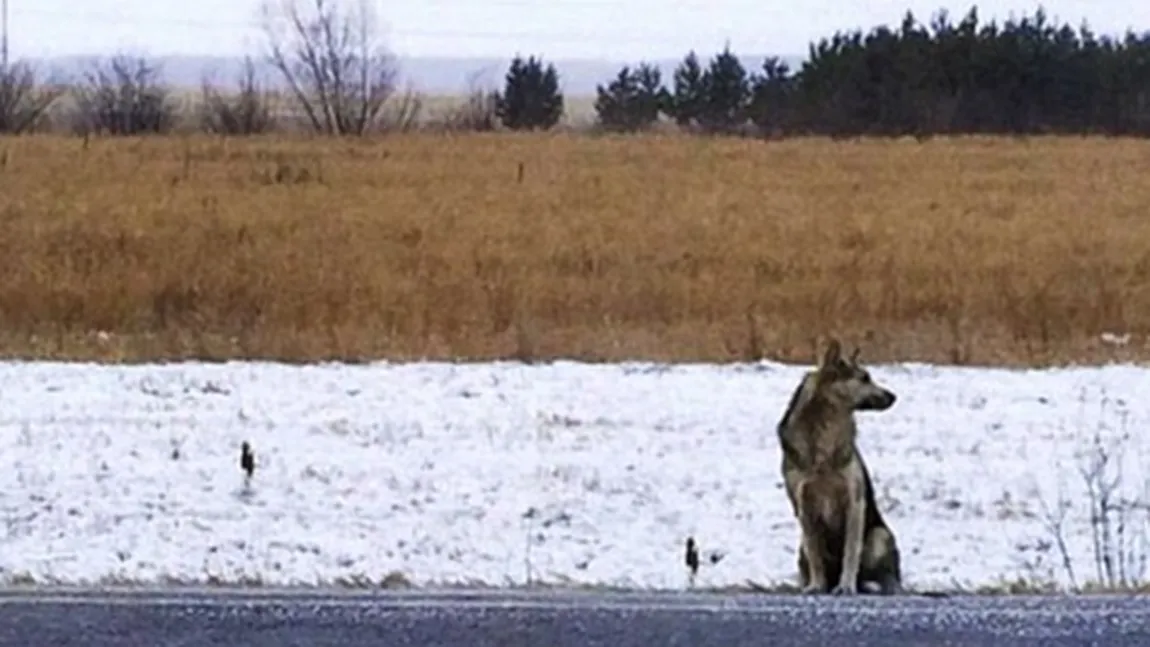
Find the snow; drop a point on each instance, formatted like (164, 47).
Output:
(504, 474)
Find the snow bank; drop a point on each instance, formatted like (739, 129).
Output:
(502, 473)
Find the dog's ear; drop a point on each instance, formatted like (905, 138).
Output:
(832, 355)
(855, 356)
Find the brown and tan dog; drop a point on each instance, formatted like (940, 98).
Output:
(845, 541)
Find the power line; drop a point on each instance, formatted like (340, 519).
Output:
(4, 36)
(104, 17)
(741, 7)
(112, 17)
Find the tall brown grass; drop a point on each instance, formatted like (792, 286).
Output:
(535, 246)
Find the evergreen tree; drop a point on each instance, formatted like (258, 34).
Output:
(688, 95)
(771, 97)
(632, 101)
(726, 94)
(531, 99)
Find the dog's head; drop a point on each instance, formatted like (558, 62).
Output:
(845, 381)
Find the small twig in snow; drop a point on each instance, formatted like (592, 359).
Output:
(527, 566)
(1055, 523)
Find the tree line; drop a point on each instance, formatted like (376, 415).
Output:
(1024, 76)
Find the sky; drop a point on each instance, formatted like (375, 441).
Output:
(580, 29)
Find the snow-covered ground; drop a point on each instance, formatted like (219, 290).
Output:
(500, 473)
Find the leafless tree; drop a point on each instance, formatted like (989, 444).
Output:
(478, 113)
(332, 58)
(123, 96)
(23, 102)
(247, 111)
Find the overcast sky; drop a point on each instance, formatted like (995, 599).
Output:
(593, 29)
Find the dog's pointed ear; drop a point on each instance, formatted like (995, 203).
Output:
(832, 355)
(855, 356)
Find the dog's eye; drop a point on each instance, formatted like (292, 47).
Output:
(866, 377)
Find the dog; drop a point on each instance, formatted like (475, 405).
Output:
(845, 542)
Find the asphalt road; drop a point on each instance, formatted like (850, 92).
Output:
(559, 619)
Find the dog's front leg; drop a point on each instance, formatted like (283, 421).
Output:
(855, 531)
(816, 567)
(812, 547)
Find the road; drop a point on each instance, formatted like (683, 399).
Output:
(559, 619)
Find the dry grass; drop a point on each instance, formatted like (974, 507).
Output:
(968, 250)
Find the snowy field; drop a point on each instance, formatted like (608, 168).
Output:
(505, 474)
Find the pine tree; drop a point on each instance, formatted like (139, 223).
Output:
(771, 93)
(688, 94)
(727, 94)
(531, 98)
(632, 101)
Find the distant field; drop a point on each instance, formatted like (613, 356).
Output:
(966, 250)
(578, 110)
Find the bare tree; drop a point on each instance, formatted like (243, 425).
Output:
(333, 60)
(244, 112)
(479, 113)
(23, 102)
(123, 96)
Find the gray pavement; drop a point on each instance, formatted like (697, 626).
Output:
(558, 619)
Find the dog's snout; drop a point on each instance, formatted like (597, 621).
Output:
(879, 400)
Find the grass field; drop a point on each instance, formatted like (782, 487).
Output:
(535, 246)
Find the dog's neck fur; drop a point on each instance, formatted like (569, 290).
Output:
(830, 447)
